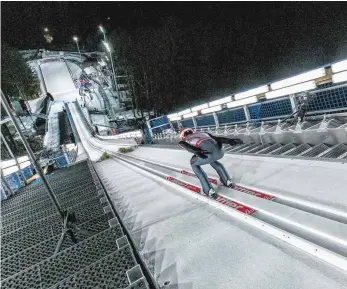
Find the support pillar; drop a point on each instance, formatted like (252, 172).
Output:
(216, 119)
(149, 128)
(248, 116)
(292, 102)
(194, 122)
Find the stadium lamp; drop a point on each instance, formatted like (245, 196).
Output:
(184, 112)
(175, 118)
(339, 66)
(292, 89)
(200, 107)
(211, 109)
(189, 115)
(251, 92)
(313, 74)
(340, 77)
(172, 115)
(243, 101)
(220, 101)
(107, 46)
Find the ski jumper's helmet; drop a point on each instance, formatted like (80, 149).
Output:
(185, 132)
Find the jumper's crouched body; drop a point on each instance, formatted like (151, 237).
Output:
(207, 149)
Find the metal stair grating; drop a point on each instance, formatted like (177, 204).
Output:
(239, 147)
(283, 149)
(247, 148)
(109, 272)
(95, 224)
(257, 148)
(24, 203)
(335, 152)
(67, 262)
(45, 249)
(84, 211)
(269, 149)
(315, 151)
(46, 204)
(298, 150)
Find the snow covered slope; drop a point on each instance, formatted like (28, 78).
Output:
(58, 81)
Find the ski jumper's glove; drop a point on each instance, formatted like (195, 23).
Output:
(192, 149)
(220, 140)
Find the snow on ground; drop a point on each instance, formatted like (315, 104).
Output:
(100, 119)
(52, 137)
(76, 71)
(114, 102)
(90, 70)
(57, 106)
(36, 104)
(58, 81)
(94, 100)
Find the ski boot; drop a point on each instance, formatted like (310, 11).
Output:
(229, 184)
(212, 193)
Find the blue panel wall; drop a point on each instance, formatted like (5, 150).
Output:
(187, 123)
(332, 99)
(270, 109)
(231, 116)
(159, 121)
(206, 120)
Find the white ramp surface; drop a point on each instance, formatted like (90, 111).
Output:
(192, 245)
(58, 81)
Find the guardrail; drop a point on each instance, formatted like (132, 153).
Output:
(329, 99)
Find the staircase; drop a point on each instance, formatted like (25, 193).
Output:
(31, 228)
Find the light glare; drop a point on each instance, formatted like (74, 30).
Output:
(211, 109)
(175, 118)
(251, 92)
(340, 77)
(200, 107)
(292, 89)
(339, 66)
(220, 101)
(313, 74)
(241, 102)
(195, 113)
(184, 112)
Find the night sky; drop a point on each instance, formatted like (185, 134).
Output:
(279, 38)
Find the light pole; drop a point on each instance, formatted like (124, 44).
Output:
(31, 155)
(76, 40)
(114, 73)
(103, 32)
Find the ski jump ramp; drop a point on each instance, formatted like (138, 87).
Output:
(295, 239)
(58, 81)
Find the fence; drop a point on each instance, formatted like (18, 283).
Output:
(327, 99)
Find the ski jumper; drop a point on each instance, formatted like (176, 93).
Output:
(207, 149)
